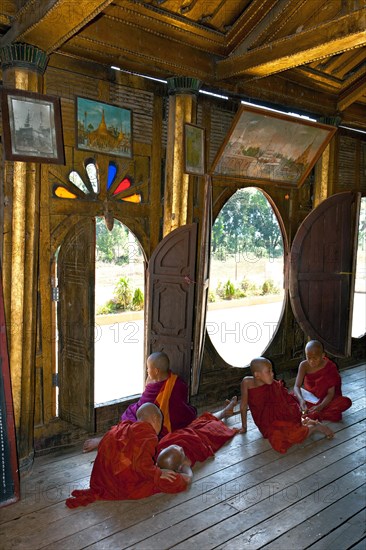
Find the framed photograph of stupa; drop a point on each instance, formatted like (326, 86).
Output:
(267, 146)
(103, 128)
(32, 129)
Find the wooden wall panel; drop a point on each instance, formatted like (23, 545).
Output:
(141, 103)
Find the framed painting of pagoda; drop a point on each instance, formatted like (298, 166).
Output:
(103, 128)
(267, 146)
(32, 129)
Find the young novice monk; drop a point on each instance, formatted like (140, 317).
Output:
(275, 412)
(124, 467)
(198, 441)
(321, 398)
(167, 390)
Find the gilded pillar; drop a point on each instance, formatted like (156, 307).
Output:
(324, 176)
(182, 108)
(22, 67)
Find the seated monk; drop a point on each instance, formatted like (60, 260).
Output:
(124, 467)
(167, 391)
(198, 441)
(321, 397)
(275, 411)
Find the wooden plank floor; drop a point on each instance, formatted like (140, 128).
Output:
(247, 497)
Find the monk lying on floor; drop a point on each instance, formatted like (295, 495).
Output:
(124, 467)
(321, 395)
(275, 411)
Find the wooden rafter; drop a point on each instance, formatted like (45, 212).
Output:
(49, 24)
(305, 47)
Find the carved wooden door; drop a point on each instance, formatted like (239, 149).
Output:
(75, 315)
(202, 288)
(322, 272)
(170, 303)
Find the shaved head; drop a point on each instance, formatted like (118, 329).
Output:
(149, 412)
(259, 363)
(159, 360)
(314, 345)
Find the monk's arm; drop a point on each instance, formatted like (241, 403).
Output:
(327, 399)
(298, 383)
(186, 472)
(244, 405)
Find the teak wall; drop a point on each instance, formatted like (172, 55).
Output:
(148, 101)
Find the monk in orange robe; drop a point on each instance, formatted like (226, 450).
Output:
(321, 395)
(275, 411)
(124, 467)
(167, 390)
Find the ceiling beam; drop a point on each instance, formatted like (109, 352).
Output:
(49, 23)
(352, 92)
(327, 39)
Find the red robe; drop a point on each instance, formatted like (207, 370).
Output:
(318, 383)
(201, 439)
(178, 414)
(277, 415)
(124, 467)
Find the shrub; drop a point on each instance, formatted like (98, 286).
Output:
(269, 287)
(211, 296)
(138, 300)
(229, 290)
(109, 307)
(123, 294)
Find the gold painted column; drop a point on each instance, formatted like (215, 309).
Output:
(182, 108)
(22, 67)
(324, 168)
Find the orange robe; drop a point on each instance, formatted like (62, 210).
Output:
(277, 415)
(124, 467)
(318, 383)
(201, 439)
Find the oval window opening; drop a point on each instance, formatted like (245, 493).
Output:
(359, 298)
(246, 278)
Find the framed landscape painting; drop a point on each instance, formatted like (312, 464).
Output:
(267, 146)
(103, 128)
(32, 130)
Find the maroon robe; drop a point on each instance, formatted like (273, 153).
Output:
(124, 467)
(201, 439)
(181, 413)
(277, 415)
(318, 383)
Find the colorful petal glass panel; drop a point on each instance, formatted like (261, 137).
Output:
(112, 172)
(132, 198)
(64, 193)
(76, 180)
(122, 186)
(92, 172)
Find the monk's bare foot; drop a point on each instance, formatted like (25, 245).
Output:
(325, 430)
(91, 444)
(306, 421)
(230, 406)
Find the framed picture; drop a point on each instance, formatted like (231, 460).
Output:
(194, 150)
(267, 146)
(32, 129)
(103, 128)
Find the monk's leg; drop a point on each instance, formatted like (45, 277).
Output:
(228, 410)
(91, 444)
(333, 411)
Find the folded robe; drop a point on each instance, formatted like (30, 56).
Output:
(201, 439)
(124, 467)
(318, 383)
(172, 394)
(277, 415)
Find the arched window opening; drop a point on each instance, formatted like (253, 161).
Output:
(246, 278)
(119, 307)
(359, 298)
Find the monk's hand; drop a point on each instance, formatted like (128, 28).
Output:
(170, 475)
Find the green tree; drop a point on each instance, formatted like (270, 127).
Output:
(113, 244)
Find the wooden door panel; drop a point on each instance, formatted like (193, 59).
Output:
(322, 270)
(170, 289)
(76, 280)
